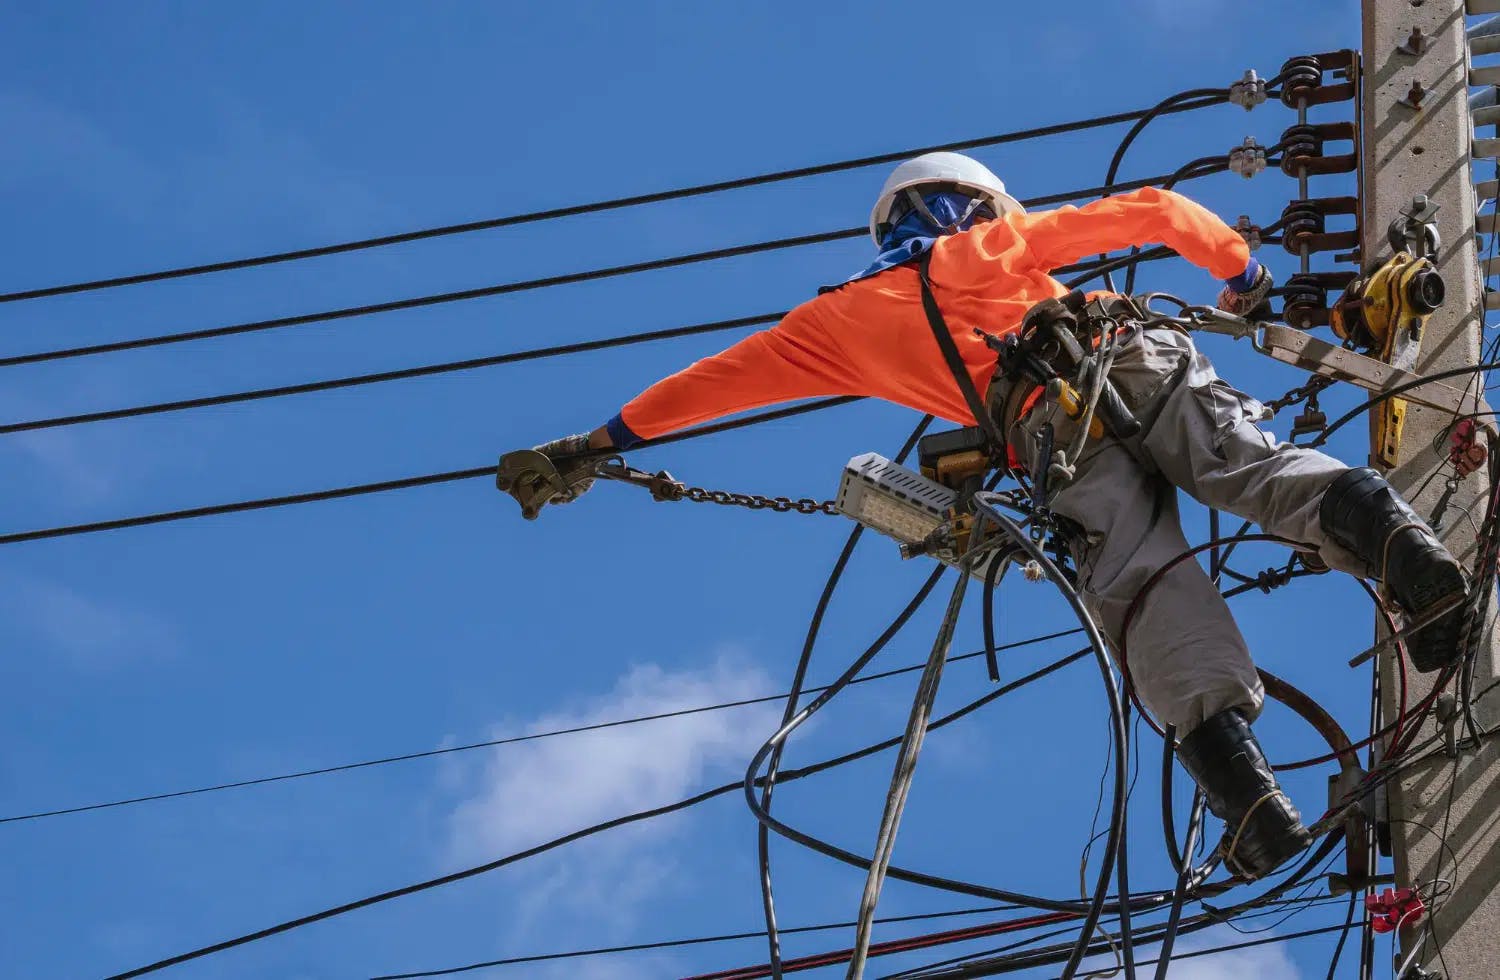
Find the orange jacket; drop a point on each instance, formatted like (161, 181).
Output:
(870, 337)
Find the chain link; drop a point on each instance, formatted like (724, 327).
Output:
(755, 501)
(1310, 390)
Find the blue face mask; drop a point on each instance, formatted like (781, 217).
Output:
(950, 208)
(913, 234)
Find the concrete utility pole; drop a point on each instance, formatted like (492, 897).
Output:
(1417, 139)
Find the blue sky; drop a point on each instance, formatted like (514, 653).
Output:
(168, 657)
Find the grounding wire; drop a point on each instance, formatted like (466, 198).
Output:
(592, 207)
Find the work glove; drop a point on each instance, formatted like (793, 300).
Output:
(1248, 293)
(575, 464)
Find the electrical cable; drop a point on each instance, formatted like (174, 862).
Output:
(399, 374)
(1056, 953)
(406, 483)
(592, 207)
(516, 857)
(799, 676)
(1179, 895)
(492, 743)
(672, 943)
(481, 292)
(906, 762)
(426, 370)
(1219, 95)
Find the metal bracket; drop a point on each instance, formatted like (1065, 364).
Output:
(1415, 229)
(1247, 159)
(1249, 91)
(1300, 349)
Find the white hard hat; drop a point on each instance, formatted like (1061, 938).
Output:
(968, 174)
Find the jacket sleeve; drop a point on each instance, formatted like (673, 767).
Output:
(1146, 216)
(795, 359)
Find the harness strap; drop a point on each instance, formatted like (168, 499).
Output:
(950, 355)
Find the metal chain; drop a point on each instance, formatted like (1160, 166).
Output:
(755, 501)
(1314, 385)
(664, 488)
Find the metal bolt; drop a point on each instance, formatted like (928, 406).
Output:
(1415, 43)
(1414, 95)
(1249, 232)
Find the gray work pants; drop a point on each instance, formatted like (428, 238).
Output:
(1187, 659)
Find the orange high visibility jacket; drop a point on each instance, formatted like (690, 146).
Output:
(870, 337)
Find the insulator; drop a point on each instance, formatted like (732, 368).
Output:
(1299, 78)
(1303, 303)
(1298, 144)
(1300, 220)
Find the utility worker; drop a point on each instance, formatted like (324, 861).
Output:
(988, 262)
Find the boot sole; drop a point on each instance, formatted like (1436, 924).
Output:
(1435, 646)
(1268, 858)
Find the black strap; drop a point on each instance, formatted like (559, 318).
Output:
(951, 356)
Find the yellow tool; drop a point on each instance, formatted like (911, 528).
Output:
(1385, 313)
(1072, 404)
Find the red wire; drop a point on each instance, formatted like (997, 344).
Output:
(894, 946)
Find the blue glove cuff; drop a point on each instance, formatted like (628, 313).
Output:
(1243, 282)
(620, 434)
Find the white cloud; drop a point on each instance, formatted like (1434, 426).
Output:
(90, 633)
(1269, 962)
(525, 794)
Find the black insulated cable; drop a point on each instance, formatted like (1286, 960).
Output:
(514, 858)
(675, 943)
(480, 292)
(592, 207)
(385, 486)
(429, 370)
(493, 743)
(1219, 95)
(799, 678)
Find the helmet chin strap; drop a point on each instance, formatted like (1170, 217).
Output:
(920, 206)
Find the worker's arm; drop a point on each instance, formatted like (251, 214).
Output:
(795, 359)
(1144, 217)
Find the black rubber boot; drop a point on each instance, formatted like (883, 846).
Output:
(1364, 514)
(1262, 830)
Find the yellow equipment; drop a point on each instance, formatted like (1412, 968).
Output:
(1385, 313)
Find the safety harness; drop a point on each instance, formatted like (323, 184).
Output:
(1056, 353)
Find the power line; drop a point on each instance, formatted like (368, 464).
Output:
(447, 367)
(498, 289)
(400, 374)
(597, 206)
(384, 486)
(492, 743)
(577, 835)
(671, 943)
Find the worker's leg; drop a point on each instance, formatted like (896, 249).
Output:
(1204, 438)
(1187, 659)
